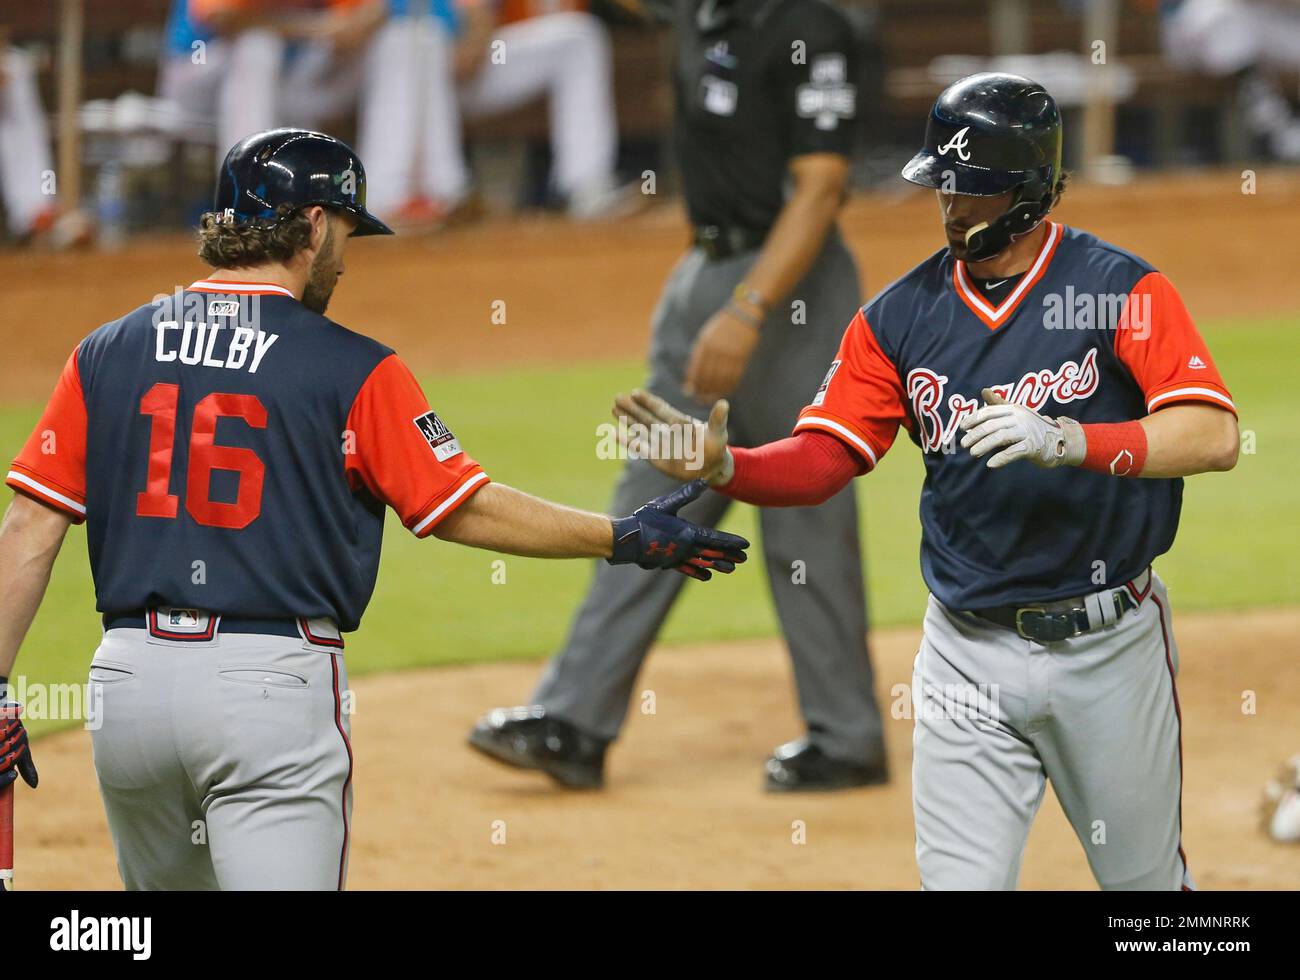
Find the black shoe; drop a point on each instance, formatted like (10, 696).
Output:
(527, 738)
(800, 766)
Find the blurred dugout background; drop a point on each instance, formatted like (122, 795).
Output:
(113, 113)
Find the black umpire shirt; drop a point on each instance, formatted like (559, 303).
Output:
(757, 82)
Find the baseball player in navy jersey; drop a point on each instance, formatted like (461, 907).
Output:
(232, 451)
(1058, 391)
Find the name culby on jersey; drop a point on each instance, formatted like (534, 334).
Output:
(72, 933)
(194, 343)
(188, 328)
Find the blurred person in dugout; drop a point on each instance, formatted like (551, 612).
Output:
(243, 66)
(1255, 41)
(438, 61)
(766, 115)
(27, 177)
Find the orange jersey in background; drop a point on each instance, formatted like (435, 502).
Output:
(513, 10)
(203, 9)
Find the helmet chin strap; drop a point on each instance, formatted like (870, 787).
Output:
(984, 241)
(987, 239)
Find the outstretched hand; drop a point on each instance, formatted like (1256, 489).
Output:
(655, 537)
(677, 444)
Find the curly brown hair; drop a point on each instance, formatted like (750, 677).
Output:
(223, 244)
(1062, 182)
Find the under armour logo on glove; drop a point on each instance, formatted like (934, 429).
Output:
(655, 537)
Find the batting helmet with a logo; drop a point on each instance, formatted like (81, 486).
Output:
(988, 134)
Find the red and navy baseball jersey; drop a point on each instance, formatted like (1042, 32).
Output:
(1091, 332)
(233, 451)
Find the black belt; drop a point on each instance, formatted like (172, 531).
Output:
(160, 626)
(719, 242)
(1052, 622)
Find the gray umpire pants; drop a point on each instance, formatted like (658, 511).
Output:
(813, 563)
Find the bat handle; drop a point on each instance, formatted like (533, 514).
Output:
(7, 838)
(7, 818)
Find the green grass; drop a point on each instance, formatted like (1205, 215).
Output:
(536, 429)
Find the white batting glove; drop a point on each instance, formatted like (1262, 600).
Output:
(1018, 432)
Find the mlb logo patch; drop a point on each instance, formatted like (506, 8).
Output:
(223, 307)
(173, 623)
(438, 436)
(183, 618)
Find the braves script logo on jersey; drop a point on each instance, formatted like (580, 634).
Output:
(958, 143)
(1072, 381)
(439, 437)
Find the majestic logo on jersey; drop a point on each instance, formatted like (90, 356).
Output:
(958, 143)
(1072, 381)
(439, 437)
(223, 307)
(181, 305)
(829, 96)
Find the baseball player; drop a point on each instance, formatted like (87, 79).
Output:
(26, 166)
(232, 451)
(248, 65)
(1058, 391)
(765, 125)
(438, 61)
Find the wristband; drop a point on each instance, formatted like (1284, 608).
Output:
(744, 294)
(1116, 448)
(740, 313)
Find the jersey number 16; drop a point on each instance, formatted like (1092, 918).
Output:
(159, 403)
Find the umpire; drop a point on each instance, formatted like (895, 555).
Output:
(765, 125)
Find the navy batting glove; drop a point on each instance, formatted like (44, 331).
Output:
(655, 537)
(15, 752)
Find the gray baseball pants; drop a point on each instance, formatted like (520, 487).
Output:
(996, 716)
(223, 764)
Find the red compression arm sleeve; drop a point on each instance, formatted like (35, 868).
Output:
(802, 470)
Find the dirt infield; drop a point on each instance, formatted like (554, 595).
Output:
(683, 808)
(586, 292)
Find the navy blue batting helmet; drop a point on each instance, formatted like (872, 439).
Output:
(296, 167)
(988, 134)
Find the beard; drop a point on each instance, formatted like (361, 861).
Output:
(957, 246)
(323, 277)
